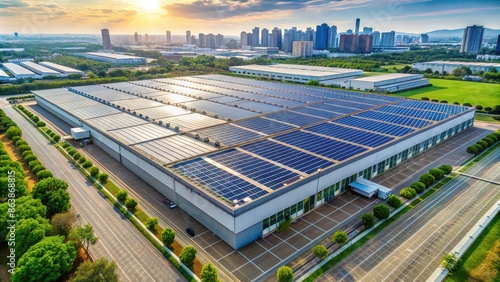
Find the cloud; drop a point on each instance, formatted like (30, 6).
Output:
(12, 3)
(449, 12)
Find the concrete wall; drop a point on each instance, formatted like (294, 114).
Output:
(71, 120)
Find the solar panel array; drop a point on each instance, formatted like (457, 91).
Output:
(241, 138)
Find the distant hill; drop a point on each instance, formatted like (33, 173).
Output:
(459, 32)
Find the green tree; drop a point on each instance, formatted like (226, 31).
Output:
(340, 237)
(96, 271)
(209, 273)
(151, 222)
(320, 251)
(428, 179)
(62, 223)
(368, 220)
(285, 274)
(53, 194)
(168, 236)
(44, 174)
(437, 173)
(47, 261)
(122, 195)
(131, 204)
(29, 231)
(473, 149)
(26, 207)
(446, 168)
(450, 262)
(394, 201)
(381, 211)
(408, 193)
(14, 131)
(85, 235)
(418, 186)
(94, 171)
(103, 178)
(187, 255)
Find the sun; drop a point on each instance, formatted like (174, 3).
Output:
(149, 6)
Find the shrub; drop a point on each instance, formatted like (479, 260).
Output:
(408, 193)
(435, 100)
(483, 143)
(446, 169)
(418, 186)
(187, 255)
(131, 204)
(151, 222)
(23, 148)
(209, 273)
(16, 138)
(29, 158)
(493, 137)
(35, 119)
(94, 171)
(320, 251)
(43, 174)
(424, 98)
(394, 201)
(32, 164)
(65, 145)
(381, 211)
(467, 104)
(456, 103)
(488, 109)
(168, 236)
(340, 237)
(479, 107)
(77, 156)
(103, 178)
(489, 141)
(57, 138)
(71, 152)
(284, 225)
(473, 150)
(121, 195)
(428, 179)
(25, 153)
(40, 124)
(21, 142)
(14, 131)
(443, 101)
(81, 160)
(87, 164)
(437, 173)
(368, 220)
(48, 131)
(38, 168)
(284, 274)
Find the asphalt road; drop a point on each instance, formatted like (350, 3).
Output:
(119, 240)
(412, 247)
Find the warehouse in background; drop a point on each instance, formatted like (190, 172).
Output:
(387, 83)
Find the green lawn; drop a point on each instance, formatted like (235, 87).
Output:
(477, 252)
(486, 118)
(398, 66)
(476, 93)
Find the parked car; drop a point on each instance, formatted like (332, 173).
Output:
(172, 205)
(190, 231)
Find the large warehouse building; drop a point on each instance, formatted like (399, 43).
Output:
(297, 73)
(447, 66)
(242, 155)
(387, 83)
(118, 59)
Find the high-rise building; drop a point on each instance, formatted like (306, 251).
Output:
(136, 37)
(356, 43)
(498, 46)
(321, 42)
(146, 37)
(244, 39)
(16, 35)
(219, 40)
(332, 37)
(349, 31)
(367, 30)
(265, 38)
(309, 35)
(250, 39)
(188, 37)
(387, 39)
(424, 38)
(376, 38)
(201, 41)
(365, 43)
(193, 40)
(255, 36)
(210, 41)
(357, 25)
(277, 39)
(406, 39)
(169, 37)
(302, 48)
(287, 41)
(232, 44)
(472, 40)
(106, 39)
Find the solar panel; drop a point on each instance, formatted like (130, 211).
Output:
(294, 118)
(287, 156)
(256, 106)
(413, 113)
(220, 110)
(265, 173)
(433, 106)
(350, 134)
(323, 146)
(264, 125)
(408, 121)
(227, 134)
(394, 130)
(317, 112)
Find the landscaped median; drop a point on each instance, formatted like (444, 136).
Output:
(128, 207)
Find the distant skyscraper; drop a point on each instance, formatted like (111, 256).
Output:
(357, 26)
(349, 31)
(249, 39)
(321, 37)
(219, 40)
(498, 46)
(406, 39)
(188, 37)
(302, 48)
(193, 40)
(255, 36)
(106, 39)
(16, 35)
(309, 34)
(332, 37)
(210, 41)
(277, 39)
(136, 37)
(367, 30)
(376, 38)
(472, 40)
(201, 41)
(356, 43)
(387, 39)
(146, 37)
(265, 38)
(169, 37)
(243, 39)
(287, 41)
(232, 44)
(424, 38)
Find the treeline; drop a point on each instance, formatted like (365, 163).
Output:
(42, 49)
(80, 63)
(349, 63)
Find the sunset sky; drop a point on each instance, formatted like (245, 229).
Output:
(229, 17)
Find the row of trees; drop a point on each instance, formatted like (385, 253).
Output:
(484, 143)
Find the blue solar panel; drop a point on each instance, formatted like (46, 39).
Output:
(294, 118)
(256, 106)
(266, 173)
(408, 121)
(413, 113)
(433, 106)
(287, 156)
(376, 126)
(317, 112)
(321, 145)
(227, 134)
(264, 125)
(334, 108)
(350, 134)
(218, 180)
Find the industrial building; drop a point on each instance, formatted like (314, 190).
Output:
(242, 155)
(297, 73)
(4, 76)
(118, 59)
(39, 69)
(448, 67)
(19, 72)
(387, 82)
(62, 69)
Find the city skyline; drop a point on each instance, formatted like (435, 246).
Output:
(154, 16)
